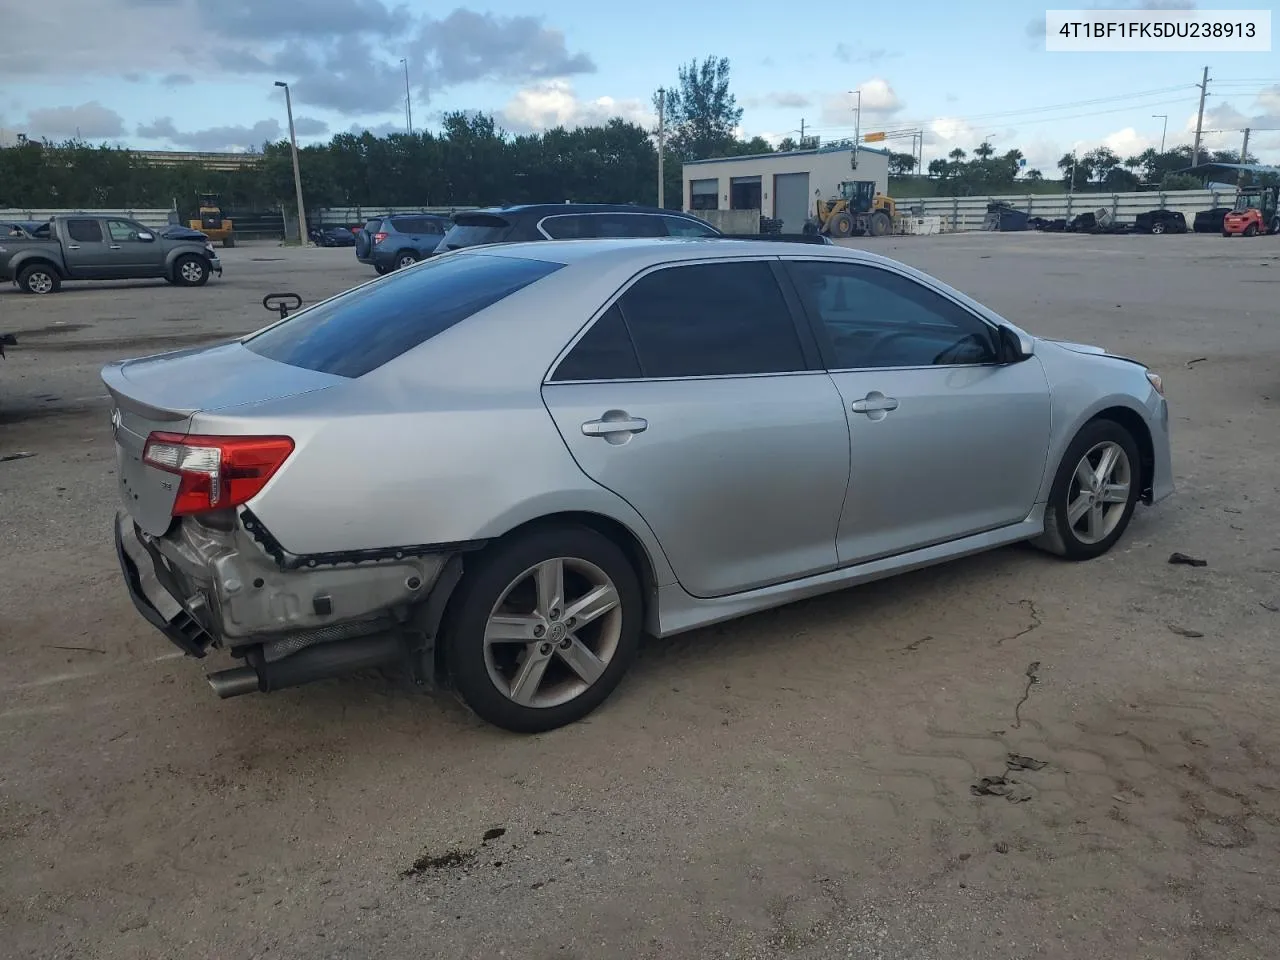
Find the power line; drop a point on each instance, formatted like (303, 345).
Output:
(1060, 106)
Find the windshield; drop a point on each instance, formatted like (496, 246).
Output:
(1248, 199)
(475, 229)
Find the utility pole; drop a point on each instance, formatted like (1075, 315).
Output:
(297, 174)
(662, 141)
(1204, 92)
(802, 133)
(1244, 147)
(1164, 129)
(857, 125)
(408, 102)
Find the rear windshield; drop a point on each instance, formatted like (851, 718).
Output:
(362, 329)
(472, 230)
(417, 225)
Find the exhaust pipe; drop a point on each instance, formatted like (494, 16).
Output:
(321, 662)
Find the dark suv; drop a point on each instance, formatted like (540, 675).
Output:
(399, 240)
(569, 221)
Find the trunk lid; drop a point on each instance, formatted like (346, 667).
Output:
(163, 393)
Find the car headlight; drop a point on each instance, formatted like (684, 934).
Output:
(1156, 382)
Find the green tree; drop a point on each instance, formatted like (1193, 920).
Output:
(786, 145)
(701, 112)
(901, 164)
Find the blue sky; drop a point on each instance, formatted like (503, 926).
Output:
(197, 74)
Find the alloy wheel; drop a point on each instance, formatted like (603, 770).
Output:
(1099, 492)
(407, 261)
(553, 632)
(40, 283)
(192, 271)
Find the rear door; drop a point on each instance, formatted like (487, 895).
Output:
(86, 250)
(946, 440)
(695, 396)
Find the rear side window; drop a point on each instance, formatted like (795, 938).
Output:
(568, 227)
(364, 328)
(84, 231)
(476, 229)
(712, 319)
(604, 353)
(373, 226)
(417, 225)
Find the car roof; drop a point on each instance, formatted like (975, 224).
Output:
(551, 209)
(416, 216)
(642, 252)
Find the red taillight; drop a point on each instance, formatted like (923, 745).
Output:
(379, 237)
(216, 472)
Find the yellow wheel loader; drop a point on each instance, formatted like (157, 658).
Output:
(857, 209)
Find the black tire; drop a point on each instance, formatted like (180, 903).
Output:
(1275, 225)
(1158, 228)
(190, 270)
(841, 225)
(39, 278)
(229, 241)
(481, 588)
(880, 224)
(1251, 230)
(381, 270)
(406, 258)
(1060, 536)
(1226, 232)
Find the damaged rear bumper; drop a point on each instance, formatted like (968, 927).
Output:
(214, 588)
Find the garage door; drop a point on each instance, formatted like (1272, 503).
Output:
(791, 200)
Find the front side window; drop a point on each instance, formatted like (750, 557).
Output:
(84, 231)
(627, 225)
(874, 318)
(711, 319)
(368, 326)
(682, 227)
(122, 231)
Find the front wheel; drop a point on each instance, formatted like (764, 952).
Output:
(543, 628)
(1157, 228)
(1094, 493)
(191, 271)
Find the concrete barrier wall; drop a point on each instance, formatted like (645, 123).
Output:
(731, 221)
(967, 213)
(155, 218)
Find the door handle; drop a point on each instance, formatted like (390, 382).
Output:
(114, 246)
(874, 403)
(73, 246)
(605, 428)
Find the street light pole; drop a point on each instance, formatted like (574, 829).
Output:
(857, 125)
(408, 100)
(1164, 129)
(297, 174)
(662, 137)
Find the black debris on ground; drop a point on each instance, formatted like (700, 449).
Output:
(1187, 561)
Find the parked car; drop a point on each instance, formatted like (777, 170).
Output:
(568, 221)
(1209, 221)
(82, 247)
(503, 465)
(1160, 221)
(334, 237)
(399, 240)
(176, 231)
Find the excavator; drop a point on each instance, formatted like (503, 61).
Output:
(212, 223)
(857, 209)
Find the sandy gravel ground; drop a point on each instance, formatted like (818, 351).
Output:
(792, 785)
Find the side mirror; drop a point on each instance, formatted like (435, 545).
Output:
(1017, 346)
(146, 237)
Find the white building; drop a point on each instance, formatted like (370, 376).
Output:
(780, 185)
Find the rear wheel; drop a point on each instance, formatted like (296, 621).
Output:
(1094, 493)
(380, 270)
(543, 628)
(1251, 230)
(406, 258)
(1275, 225)
(39, 278)
(880, 223)
(191, 271)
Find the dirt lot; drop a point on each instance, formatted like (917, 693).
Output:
(792, 785)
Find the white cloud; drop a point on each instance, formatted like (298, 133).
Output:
(788, 99)
(878, 100)
(91, 121)
(553, 103)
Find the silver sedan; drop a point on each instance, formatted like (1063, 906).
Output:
(500, 467)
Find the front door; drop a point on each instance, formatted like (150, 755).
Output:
(86, 250)
(692, 398)
(946, 441)
(134, 257)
